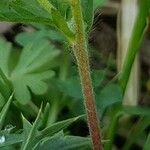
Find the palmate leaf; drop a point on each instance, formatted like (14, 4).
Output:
(29, 72)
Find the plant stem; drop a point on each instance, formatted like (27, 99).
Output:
(81, 54)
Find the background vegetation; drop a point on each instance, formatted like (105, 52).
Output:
(41, 98)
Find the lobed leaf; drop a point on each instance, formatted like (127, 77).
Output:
(29, 72)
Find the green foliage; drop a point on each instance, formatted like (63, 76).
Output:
(39, 61)
(72, 87)
(26, 37)
(87, 7)
(108, 96)
(61, 142)
(147, 144)
(26, 145)
(4, 111)
(29, 72)
(48, 12)
(10, 139)
(137, 131)
(23, 11)
(31, 135)
(98, 3)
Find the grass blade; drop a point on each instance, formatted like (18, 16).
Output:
(5, 110)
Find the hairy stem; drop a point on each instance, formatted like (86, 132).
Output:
(81, 54)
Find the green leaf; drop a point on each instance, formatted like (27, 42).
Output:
(61, 24)
(33, 131)
(23, 11)
(110, 95)
(63, 7)
(9, 139)
(32, 68)
(59, 12)
(147, 144)
(25, 38)
(51, 130)
(46, 5)
(4, 111)
(61, 142)
(29, 71)
(5, 85)
(45, 117)
(72, 86)
(27, 127)
(98, 3)
(4, 92)
(2, 101)
(5, 49)
(88, 12)
(56, 127)
(136, 110)
(136, 131)
(36, 12)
